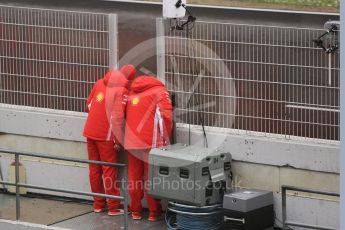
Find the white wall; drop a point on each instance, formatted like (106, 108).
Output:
(39, 122)
(259, 162)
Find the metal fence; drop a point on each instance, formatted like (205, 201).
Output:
(19, 185)
(257, 79)
(51, 58)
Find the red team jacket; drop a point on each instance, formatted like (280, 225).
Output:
(106, 106)
(148, 114)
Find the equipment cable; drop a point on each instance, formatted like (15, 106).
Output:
(185, 217)
(196, 90)
(188, 26)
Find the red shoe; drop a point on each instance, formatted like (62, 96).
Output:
(154, 216)
(136, 216)
(115, 212)
(98, 210)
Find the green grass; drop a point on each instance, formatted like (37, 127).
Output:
(307, 5)
(312, 3)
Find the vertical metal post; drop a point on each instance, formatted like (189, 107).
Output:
(17, 187)
(160, 49)
(161, 67)
(113, 42)
(329, 69)
(125, 191)
(284, 207)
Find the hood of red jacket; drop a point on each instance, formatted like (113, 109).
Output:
(115, 78)
(143, 83)
(129, 71)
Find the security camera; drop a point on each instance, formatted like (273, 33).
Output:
(332, 26)
(174, 8)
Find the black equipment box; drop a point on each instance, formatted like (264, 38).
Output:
(248, 210)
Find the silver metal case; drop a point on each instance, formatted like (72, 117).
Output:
(189, 174)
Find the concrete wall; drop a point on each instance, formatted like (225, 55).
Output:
(268, 163)
(40, 122)
(259, 162)
(45, 172)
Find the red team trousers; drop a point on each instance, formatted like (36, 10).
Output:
(137, 178)
(103, 179)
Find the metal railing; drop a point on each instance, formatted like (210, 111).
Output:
(17, 184)
(296, 224)
(260, 79)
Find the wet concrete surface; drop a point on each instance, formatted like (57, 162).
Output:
(101, 221)
(41, 211)
(14, 225)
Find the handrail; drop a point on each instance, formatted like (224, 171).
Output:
(18, 185)
(63, 190)
(71, 159)
(293, 188)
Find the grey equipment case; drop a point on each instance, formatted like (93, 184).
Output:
(189, 174)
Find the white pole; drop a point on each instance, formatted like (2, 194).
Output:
(160, 49)
(113, 42)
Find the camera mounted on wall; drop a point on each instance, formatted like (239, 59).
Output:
(176, 10)
(332, 29)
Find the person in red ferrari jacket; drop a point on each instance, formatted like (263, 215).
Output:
(148, 125)
(103, 127)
